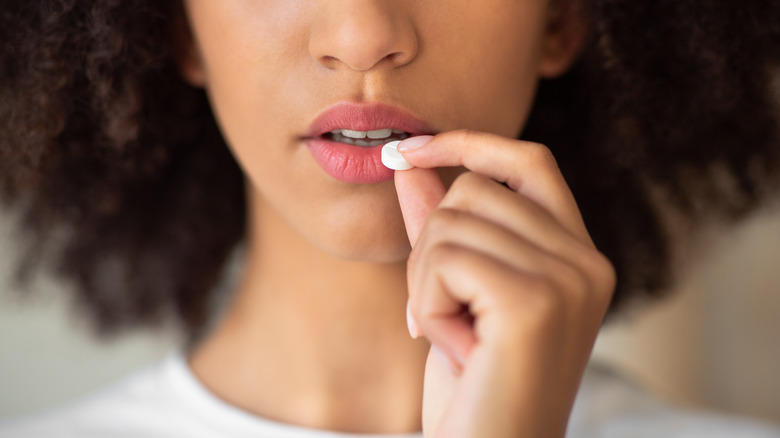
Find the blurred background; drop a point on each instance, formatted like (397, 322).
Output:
(715, 342)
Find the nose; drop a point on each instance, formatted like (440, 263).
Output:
(361, 35)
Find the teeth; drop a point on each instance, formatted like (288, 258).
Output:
(380, 133)
(353, 134)
(378, 137)
(376, 134)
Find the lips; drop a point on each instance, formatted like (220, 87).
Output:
(349, 158)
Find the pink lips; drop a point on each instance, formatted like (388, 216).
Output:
(357, 164)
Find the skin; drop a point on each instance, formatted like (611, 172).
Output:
(316, 334)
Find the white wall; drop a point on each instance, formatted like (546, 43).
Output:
(716, 340)
(47, 355)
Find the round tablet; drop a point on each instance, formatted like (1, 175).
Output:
(392, 158)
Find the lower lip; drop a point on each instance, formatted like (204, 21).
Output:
(348, 163)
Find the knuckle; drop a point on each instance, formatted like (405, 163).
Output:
(598, 282)
(606, 272)
(465, 181)
(463, 135)
(573, 280)
(438, 228)
(602, 271)
(464, 189)
(443, 218)
(443, 253)
(541, 155)
(459, 194)
(543, 305)
(540, 297)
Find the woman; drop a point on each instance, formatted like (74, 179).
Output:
(118, 114)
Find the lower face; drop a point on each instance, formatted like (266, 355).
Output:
(272, 68)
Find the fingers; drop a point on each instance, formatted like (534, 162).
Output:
(487, 257)
(504, 281)
(504, 304)
(474, 280)
(419, 193)
(525, 167)
(485, 198)
(453, 275)
(456, 227)
(511, 228)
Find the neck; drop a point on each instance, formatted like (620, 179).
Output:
(314, 340)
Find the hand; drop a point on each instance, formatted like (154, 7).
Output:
(505, 283)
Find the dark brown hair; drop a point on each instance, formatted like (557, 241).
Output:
(108, 153)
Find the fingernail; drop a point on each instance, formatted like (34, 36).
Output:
(414, 332)
(413, 143)
(448, 363)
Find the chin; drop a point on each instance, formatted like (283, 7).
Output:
(389, 246)
(367, 227)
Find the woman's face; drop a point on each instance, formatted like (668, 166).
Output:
(279, 72)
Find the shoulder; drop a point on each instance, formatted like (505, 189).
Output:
(138, 400)
(609, 406)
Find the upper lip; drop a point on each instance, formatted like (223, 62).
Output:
(366, 117)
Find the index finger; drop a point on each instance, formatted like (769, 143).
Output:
(525, 167)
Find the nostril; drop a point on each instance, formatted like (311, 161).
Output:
(329, 62)
(397, 58)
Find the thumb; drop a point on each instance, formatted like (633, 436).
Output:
(419, 192)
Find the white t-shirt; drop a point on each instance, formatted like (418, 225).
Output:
(165, 400)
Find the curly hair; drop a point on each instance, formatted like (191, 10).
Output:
(109, 153)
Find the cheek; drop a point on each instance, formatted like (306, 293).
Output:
(246, 47)
(488, 57)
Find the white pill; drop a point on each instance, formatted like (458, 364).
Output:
(392, 158)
